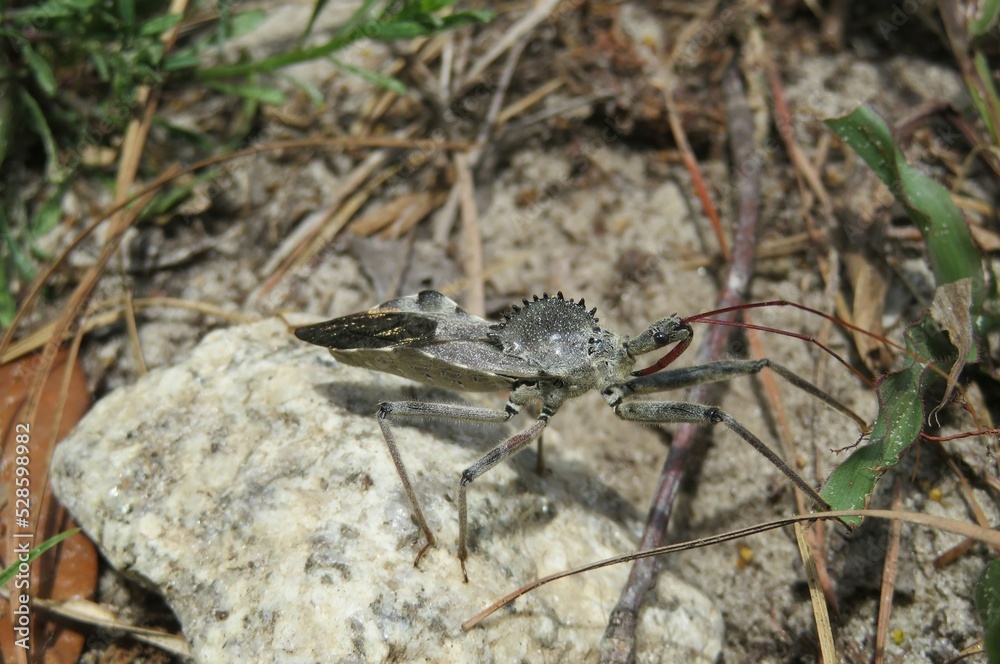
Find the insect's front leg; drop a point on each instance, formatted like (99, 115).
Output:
(720, 370)
(391, 410)
(677, 412)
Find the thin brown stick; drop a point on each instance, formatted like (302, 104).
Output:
(110, 312)
(527, 101)
(133, 332)
(697, 181)
(824, 631)
(960, 549)
(889, 569)
(511, 36)
(962, 528)
(619, 637)
(815, 536)
(472, 239)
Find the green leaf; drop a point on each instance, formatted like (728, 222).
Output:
(382, 80)
(985, 18)
(53, 10)
(261, 93)
(48, 215)
(245, 22)
(157, 26)
(8, 307)
(36, 118)
(12, 571)
(949, 243)
(358, 18)
(40, 69)
(126, 12)
(8, 115)
(19, 258)
(428, 25)
(988, 606)
(898, 423)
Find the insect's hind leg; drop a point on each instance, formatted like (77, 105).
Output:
(677, 412)
(391, 410)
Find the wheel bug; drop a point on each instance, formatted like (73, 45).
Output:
(550, 350)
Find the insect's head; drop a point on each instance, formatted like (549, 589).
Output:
(663, 332)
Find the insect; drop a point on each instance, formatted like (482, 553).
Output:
(549, 350)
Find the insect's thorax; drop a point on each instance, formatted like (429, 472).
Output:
(563, 341)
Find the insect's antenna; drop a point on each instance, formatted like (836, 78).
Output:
(816, 312)
(707, 317)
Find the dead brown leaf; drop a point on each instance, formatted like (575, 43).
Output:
(69, 570)
(950, 310)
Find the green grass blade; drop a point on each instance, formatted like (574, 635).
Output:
(261, 93)
(40, 69)
(390, 83)
(317, 8)
(396, 28)
(988, 606)
(949, 243)
(10, 572)
(157, 26)
(985, 98)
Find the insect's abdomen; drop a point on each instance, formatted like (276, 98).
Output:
(416, 365)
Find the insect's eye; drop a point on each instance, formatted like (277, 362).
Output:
(661, 338)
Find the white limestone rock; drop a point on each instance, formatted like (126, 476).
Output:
(250, 485)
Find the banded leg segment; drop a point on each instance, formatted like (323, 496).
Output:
(720, 370)
(392, 410)
(677, 412)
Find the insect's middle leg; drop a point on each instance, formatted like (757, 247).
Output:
(402, 409)
(504, 450)
(677, 412)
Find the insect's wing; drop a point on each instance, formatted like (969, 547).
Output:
(453, 322)
(427, 317)
(369, 330)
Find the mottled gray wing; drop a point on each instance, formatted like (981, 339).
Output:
(371, 329)
(425, 337)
